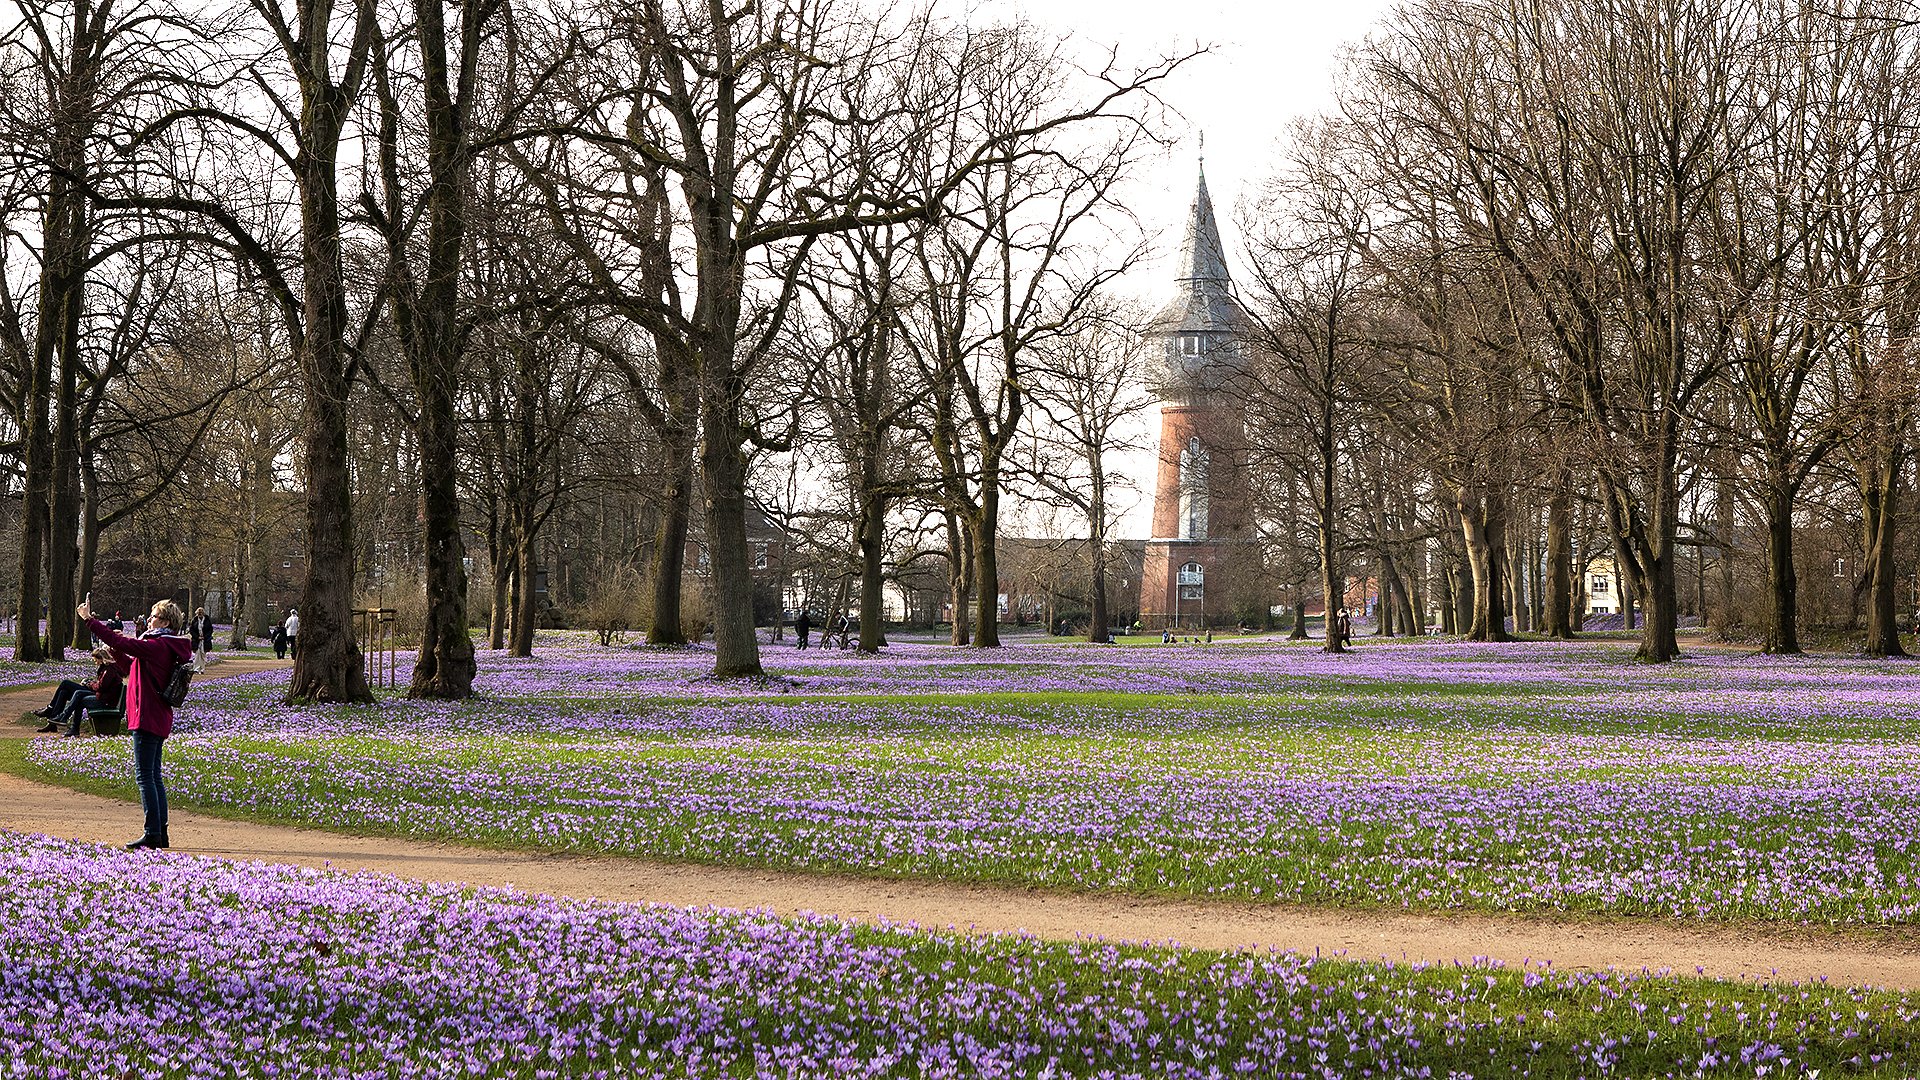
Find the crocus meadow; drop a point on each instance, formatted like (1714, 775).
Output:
(1422, 776)
(169, 966)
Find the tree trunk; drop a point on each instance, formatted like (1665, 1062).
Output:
(986, 562)
(1879, 491)
(1559, 583)
(526, 594)
(1097, 530)
(1332, 582)
(1783, 583)
(960, 577)
(1299, 631)
(63, 536)
(1658, 643)
(1483, 530)
(1516, 581)
(873, 540)
(329, 667)
(723, 461)
(502, 572)
(89, 544)
(670, 542)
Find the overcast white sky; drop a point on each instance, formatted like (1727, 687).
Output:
(1270, 63)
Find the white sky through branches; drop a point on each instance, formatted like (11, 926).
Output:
(1269, 63)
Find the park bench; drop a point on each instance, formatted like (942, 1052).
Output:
(108, 721)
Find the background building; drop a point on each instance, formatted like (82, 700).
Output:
(1202, 515)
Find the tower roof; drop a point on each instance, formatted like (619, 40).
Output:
(1203, 307)
(1205, 300)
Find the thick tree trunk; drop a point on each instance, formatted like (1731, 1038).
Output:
(723, 461)
(1516, 581)
(1783, 584)
(37, 451)
(1097, 530)
(329, 666)
(1332, 581)
(444, 667)
(63, 536)
(960, 577)
(670, 542)
(986, 561)
(1879, 493)
(526, 575)
(873, 542)
(1658, 643)
(1657, 578)
(1299, 631)
(1483, 529)
(1559, 583)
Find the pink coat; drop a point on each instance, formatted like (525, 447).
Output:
(152, 659)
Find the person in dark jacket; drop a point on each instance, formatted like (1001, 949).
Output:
(200, 633)
(278, 635)
(101, 692)
(802, 626)
(149, 661)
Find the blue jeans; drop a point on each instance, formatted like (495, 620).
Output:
(146, 772)
(63, 695)
(76, 710)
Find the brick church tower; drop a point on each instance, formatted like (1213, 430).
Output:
(1202, 513)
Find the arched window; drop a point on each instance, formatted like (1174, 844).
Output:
(1193, 582)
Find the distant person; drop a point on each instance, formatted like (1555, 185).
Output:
(802, 626)
(200, 632)
(278, 635)
(1166, 635)
(118, 623)
(293, 632)
(149, 661)
(1346, 627)
(1209, 636)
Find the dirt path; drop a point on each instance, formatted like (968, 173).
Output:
(1860, 957)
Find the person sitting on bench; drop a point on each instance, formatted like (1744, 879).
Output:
(102, 692)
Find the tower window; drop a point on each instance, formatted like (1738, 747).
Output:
(1193, 491)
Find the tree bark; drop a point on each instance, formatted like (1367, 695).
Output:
(670, 542)
(1783, 583)
(986, 560)
(526, 576)
(960, 577)
(329, 667)
(1483, 529)
(1879, 494)
(1097, 530)
(1559, 583)
(873, 543)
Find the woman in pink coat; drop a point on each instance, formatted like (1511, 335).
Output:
(151, 656)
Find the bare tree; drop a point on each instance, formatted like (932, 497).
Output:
(1090, 386)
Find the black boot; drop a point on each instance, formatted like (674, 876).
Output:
(51, 726)
(162, 842)
(143, 842)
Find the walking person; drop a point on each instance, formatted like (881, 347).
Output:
(293, 632)
(278, 635)
(200, 633)
(149, 661)
(801, 627)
